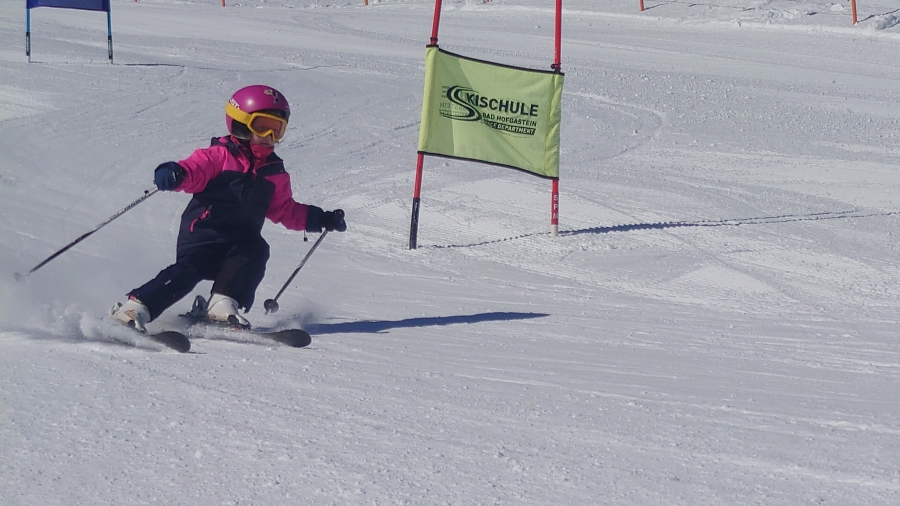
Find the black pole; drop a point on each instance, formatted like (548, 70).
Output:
(109, 35)
(28, 34)
(417, 192)
(271, 305)
(414, 224)
(147, 194)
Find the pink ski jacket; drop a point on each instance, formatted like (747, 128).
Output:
(233, 194)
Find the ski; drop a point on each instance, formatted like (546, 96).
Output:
(295, 338)
(125, 334)
(168, 338)
(171, 339)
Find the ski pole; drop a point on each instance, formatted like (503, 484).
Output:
(147, 194)
(271, 305)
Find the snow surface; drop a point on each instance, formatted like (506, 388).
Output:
(716, 322)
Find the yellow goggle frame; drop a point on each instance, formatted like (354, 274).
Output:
(260, 123)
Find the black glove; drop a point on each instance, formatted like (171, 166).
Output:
(168, 176)
(333, 221)
(317, 219)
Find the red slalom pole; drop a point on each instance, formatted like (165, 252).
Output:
(554, 208)
(420, 159)
(557, 60)
(436, 23)
(557, 66)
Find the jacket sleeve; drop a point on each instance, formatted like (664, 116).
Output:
(283, 208)
(201, 167)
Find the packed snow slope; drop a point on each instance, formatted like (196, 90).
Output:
(716, 323)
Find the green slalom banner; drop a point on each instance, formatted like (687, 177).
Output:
(492, 113)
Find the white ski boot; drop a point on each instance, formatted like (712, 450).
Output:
(133, 314)
(224, 309)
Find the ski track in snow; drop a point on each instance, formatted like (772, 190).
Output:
(715, 323)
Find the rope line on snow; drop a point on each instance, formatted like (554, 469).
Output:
(732, 222)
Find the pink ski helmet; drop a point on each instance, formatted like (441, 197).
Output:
(251, 99)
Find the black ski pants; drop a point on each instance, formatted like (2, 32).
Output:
(235, 269)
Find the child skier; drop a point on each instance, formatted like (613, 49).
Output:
(236, 184)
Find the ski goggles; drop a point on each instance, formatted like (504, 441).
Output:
(260, 123)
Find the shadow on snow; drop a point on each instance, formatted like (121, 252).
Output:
(376, 326)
